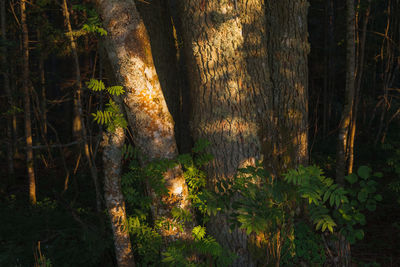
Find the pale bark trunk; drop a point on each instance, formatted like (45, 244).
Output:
(112, 160)
(10, 102)
(341, 153)
(27, 105)
(129, 52)
(288, 48)
(79, 129)
(226, 53)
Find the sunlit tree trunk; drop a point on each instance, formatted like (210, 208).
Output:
(129, 52)
(226, 53)
(10, 102)
(112, 161)
(79, 129)
(27, 105)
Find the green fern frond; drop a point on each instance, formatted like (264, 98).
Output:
(116, 90)
(95, 85)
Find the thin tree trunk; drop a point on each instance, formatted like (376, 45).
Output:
(27, 105)
(358, 83)
(79, 129)
(43, 104)
(10, 102)
(112, 161)
(129, 52)
(343, 246)
(341, 155)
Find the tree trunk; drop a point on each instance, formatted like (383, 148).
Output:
(225, 48)
(288, 48)
(129, 51)
(239, 107)
(10, 102)
(341, 154)
(112, 160)
(79, 129)
(358, 82)
(43, 104)
(344, 253)
(27, 105)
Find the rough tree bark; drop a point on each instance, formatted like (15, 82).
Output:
(129, 52)
(78, 125)
(112, 157)
(286, 136)
(246, 104)
(27, 105)
(225, 48)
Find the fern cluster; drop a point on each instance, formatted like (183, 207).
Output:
(111, 117)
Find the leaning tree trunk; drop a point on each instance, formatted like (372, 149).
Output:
(27, 105)
(112, 161)
(226, 53)
(129, 52)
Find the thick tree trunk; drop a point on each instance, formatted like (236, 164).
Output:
(10, 102)
(288, 48)
(226, 53)
(236, 107)
(112, 160)
(78, 125)
(129, 51)
(27, 105)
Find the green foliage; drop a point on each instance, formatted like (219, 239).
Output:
(93, 22)
(307, 247)
(112, 116)
(146, 243)
(331, 205)
(205, 248)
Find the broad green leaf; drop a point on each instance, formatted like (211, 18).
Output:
(364, 172)
(362, 196)
(352, 178)
(378, 197)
